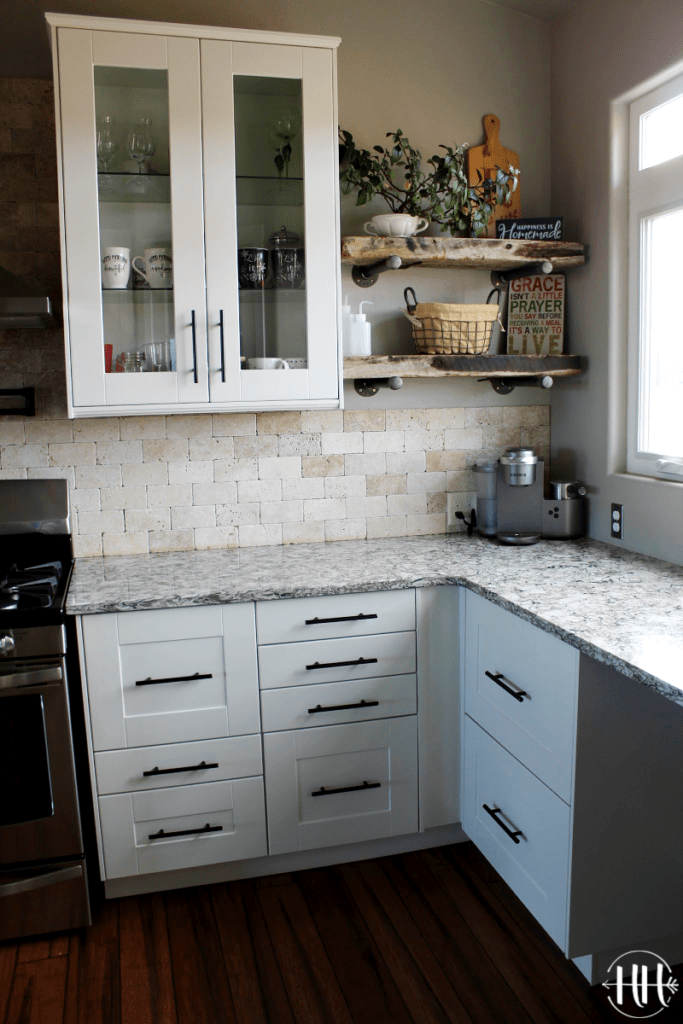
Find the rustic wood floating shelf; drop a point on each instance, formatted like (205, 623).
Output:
(503, 371)
(459, 253)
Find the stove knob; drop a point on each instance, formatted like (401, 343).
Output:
(6, 644)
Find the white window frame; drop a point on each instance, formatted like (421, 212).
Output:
(652, 190)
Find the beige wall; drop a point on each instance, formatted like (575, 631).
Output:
(385, 466)
(599, 52)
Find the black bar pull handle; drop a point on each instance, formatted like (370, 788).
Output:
(346, 789)
(186, 768)
(340, 664)
(498, 678)
(193, 325)
(174, 679)
(493, 812)
(187, 832)
(342, 618)
(318, 709)
(221, 328)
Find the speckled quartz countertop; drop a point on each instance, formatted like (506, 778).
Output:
(618, 607)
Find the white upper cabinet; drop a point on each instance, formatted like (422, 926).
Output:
(199, 191)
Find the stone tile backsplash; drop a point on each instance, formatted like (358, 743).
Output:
(168, 483)
(160, 483)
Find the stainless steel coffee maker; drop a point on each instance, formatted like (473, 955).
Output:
(519, 496)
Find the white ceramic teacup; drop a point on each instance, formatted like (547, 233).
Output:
(267, 364)
(115, 266)
(156, 267)
(398, 225)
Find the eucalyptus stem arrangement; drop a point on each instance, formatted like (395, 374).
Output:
(443, 194)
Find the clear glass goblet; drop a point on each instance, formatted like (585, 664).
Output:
(283, 128)
(107, 146)
(140, 144)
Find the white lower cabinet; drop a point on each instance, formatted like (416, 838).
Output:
(341, 784)
(182, 826)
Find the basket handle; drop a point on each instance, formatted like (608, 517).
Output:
(496, 292)
(411, 306)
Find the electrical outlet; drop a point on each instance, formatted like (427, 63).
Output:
(617, 522)
(459, 501)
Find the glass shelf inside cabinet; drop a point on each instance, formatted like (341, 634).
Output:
(269, 191)
(117, 187)
(139, 294)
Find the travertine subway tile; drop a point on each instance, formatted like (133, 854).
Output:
(243, 514)
(362, 508)
(299, 444)
(208, 537)
(143, 519)
(361, 465)
(195, 515)
(139, 428)
(115, 453)
(394, 483)
(248, 447)
(364, 419)
(311, 487)
(424, 440)
(167, 495)
(469, 437)
(189, 426)
(100, 522)
(97, 429)
(342, 444)
(74, 454)
(145, 473)
(47, 431)
(22, 456)
(345, 487)
(279, 468)
(191, 472)
(98, 476)
(86, 546)
(322, 422)
(260, 536)
(212, 494)
(233, 469)
(233, 424)
(406, 504)
(205, 449)
(323, 465)
(259, 490)
(303, 533)
(384, 441)
(409, 462)
(421, 483)
(419, 525)
(85, 500)
(121, 497)
(171, 540)
(386, 526)
(345, 529)
(278, 422)
(282, 512)
(125, 544)
(324, 508)
(440, 461)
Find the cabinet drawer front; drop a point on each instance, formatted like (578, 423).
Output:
(122, 771)
(538, 728)
(537, 867)
(194, 687)
(323, 618)
(341, 784)
(234, 809)
(389, 654)
(306, 707)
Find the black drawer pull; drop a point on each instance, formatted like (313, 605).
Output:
(318, 709)
(340, 664)
(186, 768)
(342, 618)
(506, 830)
(193, 325)
(345, 789)
(187, 832)
(498, 678)
(174, 679)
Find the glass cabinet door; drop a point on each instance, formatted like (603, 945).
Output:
(271, 234)
(134, 218)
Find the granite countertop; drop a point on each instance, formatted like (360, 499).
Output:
(620, 608)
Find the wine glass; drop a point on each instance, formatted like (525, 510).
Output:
(283, 127)
(107, 146)
(140, 144)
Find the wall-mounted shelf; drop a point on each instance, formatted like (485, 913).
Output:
(458, 253)
(504, 372)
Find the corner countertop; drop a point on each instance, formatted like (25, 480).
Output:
(618, 607)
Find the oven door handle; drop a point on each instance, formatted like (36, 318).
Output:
(44, 675)
(41, 881)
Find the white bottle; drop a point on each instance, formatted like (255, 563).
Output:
(346, 322)
(361, 344)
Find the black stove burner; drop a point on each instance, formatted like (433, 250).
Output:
(33, 586)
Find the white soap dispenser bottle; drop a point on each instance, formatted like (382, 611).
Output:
(346, 325)
(361, 344)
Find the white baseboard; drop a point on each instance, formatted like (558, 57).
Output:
(285, 862)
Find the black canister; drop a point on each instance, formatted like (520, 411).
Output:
(286, 259)
(252, 267)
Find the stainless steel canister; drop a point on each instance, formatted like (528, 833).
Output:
(519, 466)
(486, 473)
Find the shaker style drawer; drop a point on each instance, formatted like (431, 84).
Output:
(341, 784)
(520, 826)
(322, 618)
(326, 661)
(171, 676)
(306, 707)
(521, 685)
(177, 764)
(182, 827)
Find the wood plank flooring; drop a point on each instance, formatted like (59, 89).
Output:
(433, 937)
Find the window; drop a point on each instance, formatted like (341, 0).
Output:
(655, 436)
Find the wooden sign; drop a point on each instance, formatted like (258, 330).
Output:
(541, 229)
(484, 161)
(536, 315)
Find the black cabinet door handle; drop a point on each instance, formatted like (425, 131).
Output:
(187, 832)
(186, 768)
(221, 329)
(498, 679)
(345, 789)
(340, 664)
(318, 709)
(193, 325)
(506, 830)
(341, 618)
(174, 679)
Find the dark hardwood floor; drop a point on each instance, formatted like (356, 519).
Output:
(426, 938)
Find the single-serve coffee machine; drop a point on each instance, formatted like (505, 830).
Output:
(511, 506)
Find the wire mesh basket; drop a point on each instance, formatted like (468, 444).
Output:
(441, 328)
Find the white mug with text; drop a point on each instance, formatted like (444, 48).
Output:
(115, 266)
(267, 364)
(156, 267)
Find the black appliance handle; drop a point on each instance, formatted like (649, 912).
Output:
(174, 679)
(41, 881)
(35, 678)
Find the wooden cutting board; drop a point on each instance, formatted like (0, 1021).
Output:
(483, 161)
